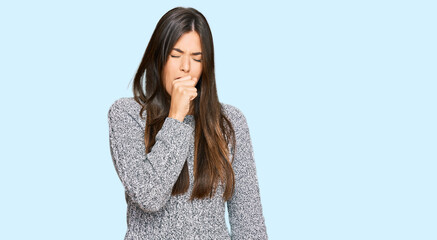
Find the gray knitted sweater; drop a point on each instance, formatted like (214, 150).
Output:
(148, 179)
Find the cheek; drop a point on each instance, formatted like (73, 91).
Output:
(171, 67)
(199, 71)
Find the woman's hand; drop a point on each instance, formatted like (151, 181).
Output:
(183, 92)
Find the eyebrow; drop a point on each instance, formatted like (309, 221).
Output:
(178, 50)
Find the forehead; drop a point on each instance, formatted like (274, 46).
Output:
(189, 42)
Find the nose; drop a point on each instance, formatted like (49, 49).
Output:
(185, 64)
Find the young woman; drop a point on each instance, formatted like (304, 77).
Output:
(180, 153)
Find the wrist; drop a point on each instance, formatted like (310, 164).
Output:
(177, 117)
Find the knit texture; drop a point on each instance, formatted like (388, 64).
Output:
(148, 179)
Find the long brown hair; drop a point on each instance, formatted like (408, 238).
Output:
(213, 130)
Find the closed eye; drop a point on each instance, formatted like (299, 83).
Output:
(200, 60)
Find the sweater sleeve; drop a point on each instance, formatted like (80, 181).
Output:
(244, 208)
(147, 178)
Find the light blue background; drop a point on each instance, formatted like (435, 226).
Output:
(340, 98)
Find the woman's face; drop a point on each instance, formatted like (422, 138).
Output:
(184, 59)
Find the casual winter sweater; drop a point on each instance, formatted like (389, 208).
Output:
(148, 179)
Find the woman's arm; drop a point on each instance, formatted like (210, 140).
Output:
(148, 180)
(244, 208)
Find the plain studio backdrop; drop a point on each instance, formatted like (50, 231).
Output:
(340, 98)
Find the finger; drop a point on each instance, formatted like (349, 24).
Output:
(193, 96)
(191, 91)
(183, 78)
(195, 81)
(186, 82)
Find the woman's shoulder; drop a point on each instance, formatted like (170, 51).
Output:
(127, 105)
(231, 110)
(235, 114)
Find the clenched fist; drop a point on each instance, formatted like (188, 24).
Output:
(183, 92)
